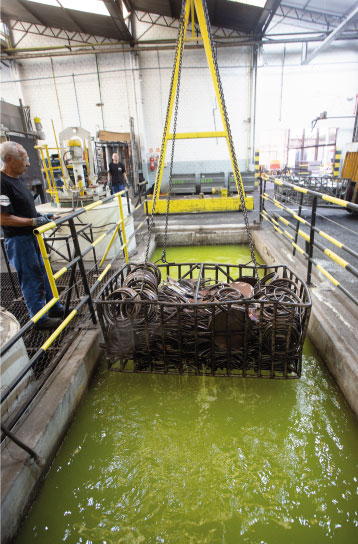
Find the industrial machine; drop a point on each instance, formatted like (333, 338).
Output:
(77, 156)
(16, 126)
(70, 171)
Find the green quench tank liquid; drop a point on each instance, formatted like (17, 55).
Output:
(182, 459)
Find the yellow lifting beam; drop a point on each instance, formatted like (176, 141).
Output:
(192, 6)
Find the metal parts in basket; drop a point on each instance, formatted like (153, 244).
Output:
(211, 319)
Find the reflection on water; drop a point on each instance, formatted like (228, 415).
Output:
(183, 459)
(190, 459)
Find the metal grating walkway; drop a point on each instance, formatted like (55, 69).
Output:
(34, 339)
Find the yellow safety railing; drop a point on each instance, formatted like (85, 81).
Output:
(299, 189)
(121, 224)
(286, 234)
(54, 276)
(59, 156)
(49, 171)
(309, 238)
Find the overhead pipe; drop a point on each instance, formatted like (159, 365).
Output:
(136, 49)
(320, 35)
(100, 91)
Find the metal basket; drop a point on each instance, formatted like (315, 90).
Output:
(260, 335)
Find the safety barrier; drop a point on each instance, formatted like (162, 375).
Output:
(336, 187)
(37, 367)
(309, 237)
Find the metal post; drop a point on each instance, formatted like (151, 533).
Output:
(47, 264)
(298, 223)
(76, 246)
(311, 242)
(74, 266)
(94, 250)
(261, 204)
(128, 202)
(123, 227)
(21, 444)
(69, 292)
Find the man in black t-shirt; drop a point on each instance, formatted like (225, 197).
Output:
(117, 176)
(18, 219)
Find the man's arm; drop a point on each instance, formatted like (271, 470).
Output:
(8, 220)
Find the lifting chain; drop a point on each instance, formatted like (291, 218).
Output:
(179, 52)
(232, 148)
(181, 42)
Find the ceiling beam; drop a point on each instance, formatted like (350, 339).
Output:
(115, 10)
(328, 21)
(332, 36)
(72, 18)
(172, 8)
(27, 7)
(137, 47)
(265, 20)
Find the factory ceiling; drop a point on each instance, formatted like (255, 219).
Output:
(243, 17)
(72, 20)
(116, 22)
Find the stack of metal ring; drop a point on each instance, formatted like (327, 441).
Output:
(180, 324)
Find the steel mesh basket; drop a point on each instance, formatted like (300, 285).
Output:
(193, 318)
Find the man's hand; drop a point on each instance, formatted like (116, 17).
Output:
(40, 220)
(43, 219)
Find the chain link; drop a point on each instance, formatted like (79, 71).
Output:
(232, 148)
(181, 38)
(178, 51)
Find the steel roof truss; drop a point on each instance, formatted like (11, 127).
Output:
(332, 36)
(313, 17)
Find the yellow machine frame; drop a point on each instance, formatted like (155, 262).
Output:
(207, 203)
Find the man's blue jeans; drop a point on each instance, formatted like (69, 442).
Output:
(24, 255)
(117, 188)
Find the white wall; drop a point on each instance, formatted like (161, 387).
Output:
(138, 86)
(10, 91)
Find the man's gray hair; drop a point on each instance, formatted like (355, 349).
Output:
(9, 148)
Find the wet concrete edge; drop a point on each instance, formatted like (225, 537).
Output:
(43, 429)
(333, 323)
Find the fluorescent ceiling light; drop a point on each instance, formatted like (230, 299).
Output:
(89, 6)
(257, 3)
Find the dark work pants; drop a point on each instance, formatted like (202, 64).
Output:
(117, 188)
(25, 256)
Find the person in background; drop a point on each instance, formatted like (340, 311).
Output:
(117, 177)
(18, 219)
